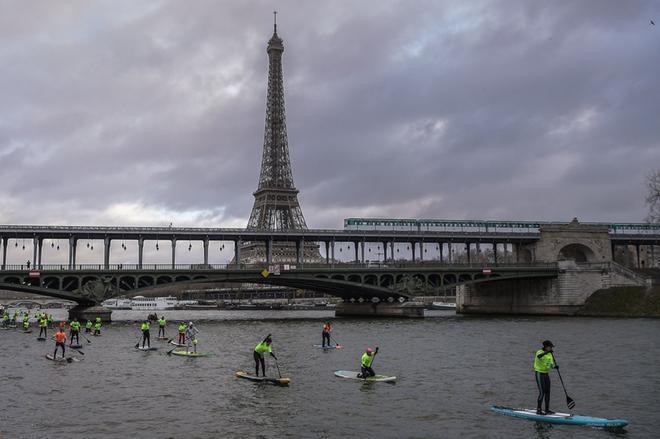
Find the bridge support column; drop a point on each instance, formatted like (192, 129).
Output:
(140, 252)
(269, 251)
(332, 252)
(638, 259)
(382, 309)
(384, 251)
(73, 242)
(4, 252)
(106, 252)
(467, 246)
(327, 252)
(495, 253)
(298, 255)
(237, 251)
(34, 251)
(362, 250)
(40, 244)
(173, 252)
(421, 251)
(412, 249)
(206, 251)
(440, 245)
(357, 255)
(86, 312)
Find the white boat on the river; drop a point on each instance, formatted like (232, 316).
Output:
(141, 303)
(449, 306)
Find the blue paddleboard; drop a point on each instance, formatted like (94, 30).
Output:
(560, 418)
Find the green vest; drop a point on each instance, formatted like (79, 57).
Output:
(50, 317)
(263, 347)
(367, 360)
(145, 326)
(162, 322)
(43, 323)
(75, 326)
(182, 328)
(97, 325)
(88, 324)
(545, 363)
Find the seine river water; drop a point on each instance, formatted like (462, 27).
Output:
(451, 369)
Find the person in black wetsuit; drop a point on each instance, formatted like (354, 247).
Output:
(543, 362)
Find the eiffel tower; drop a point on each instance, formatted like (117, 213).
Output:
(276, 205)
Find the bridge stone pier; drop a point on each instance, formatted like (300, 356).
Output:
(583, 253)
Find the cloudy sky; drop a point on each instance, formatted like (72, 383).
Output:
(151, 112)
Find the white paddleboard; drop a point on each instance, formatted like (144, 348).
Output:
(352, 375)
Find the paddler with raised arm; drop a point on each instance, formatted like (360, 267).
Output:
(543, 362)
(259, 350)
(365, 363)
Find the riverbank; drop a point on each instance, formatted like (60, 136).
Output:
(623, 302)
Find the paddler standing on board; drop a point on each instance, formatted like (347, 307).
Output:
(74, 330)
(88, 326)
(365, 363)
(145, 327)
(259, 350)
(26, 321)
(43, 326)
(161, 327)
(97, 326)
(325, 334)
(543, 362)
(191, 336)
(60, 339)
(182, 333)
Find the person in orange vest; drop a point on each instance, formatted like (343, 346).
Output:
(60, 340)
(327, 329)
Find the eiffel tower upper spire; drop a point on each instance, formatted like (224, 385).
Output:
(276, 204)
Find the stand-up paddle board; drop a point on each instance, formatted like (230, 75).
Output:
(29, 331)
(560, 418)
(277, 381)
(337, 346)
(41, 338)
(351, 375)
(190, 354)
(146, 349)
(76, 346)
(59, 359)
(181, 345)
(163, 338)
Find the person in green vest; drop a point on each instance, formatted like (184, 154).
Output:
(182, 332)
(145, 327)
(50, 320)
(14, 319)
(26, 321)
(161, 327)
(5, 319)
(365, 364)
(543, 362)
(74, 331)
(88, 326)
(259, 350)
(97, 326)
(43, 326)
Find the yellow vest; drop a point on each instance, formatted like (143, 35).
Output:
(545, 363)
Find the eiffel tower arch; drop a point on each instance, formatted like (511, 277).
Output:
(276, 205)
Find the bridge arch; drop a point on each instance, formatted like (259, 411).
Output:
(578, 252)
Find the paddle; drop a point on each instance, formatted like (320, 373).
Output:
(569, 401)
(335, 340)
(76, 350)
(278, 368)
(83, 336)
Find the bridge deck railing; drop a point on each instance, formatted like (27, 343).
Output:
(261, 266)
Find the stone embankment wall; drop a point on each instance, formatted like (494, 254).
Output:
(563, 295)
(623, 302)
